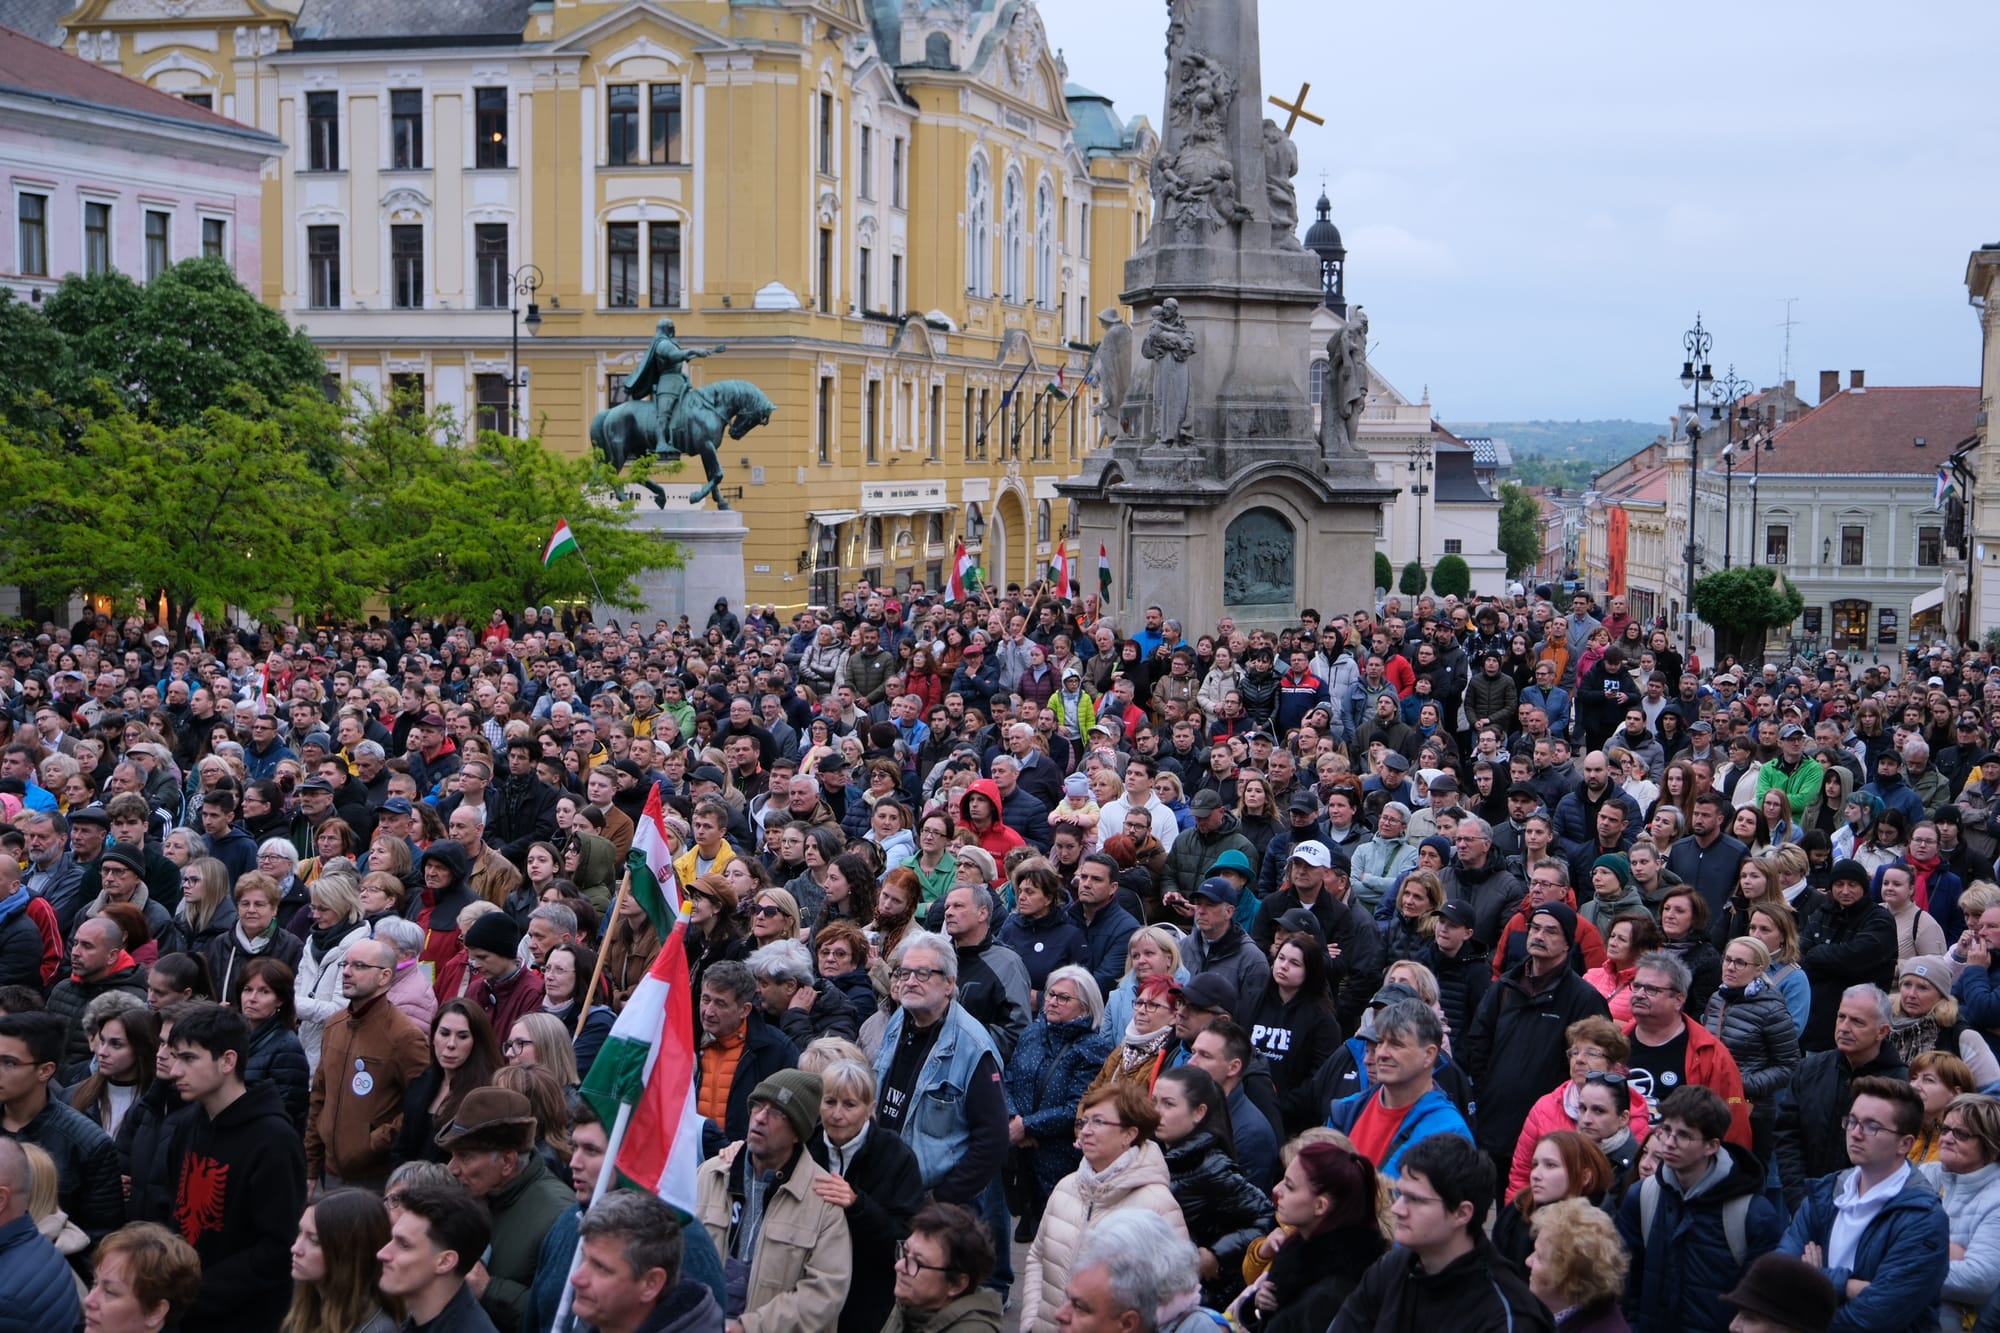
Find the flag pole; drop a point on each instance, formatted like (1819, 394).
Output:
(597, 973)
(604, 1175)
(591, 573)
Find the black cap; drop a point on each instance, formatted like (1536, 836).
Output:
(316, 784)
(1304, 802)
(1459, 914)
(708, 773)
(1302, 922)
(1210, 990)
(126, 857)
(91, 814)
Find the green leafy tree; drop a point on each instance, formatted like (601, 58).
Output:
(1412, 582)
(1520, 528)
(192, 339)
(1452, 578)
(1743, 605)
(1385, 573)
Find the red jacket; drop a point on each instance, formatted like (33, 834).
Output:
(998, 840)
(44, 917)
(1589, 942)
(1552, 1113)
(1710, 1064)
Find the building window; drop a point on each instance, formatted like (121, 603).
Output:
(866, 188)
(665, 126)
(489, 258)
(32, 213)
(323, 131)
(621, 270)
(1778, 544)
(1014, 243)
(1453, 546)
(406, 266)
(406, 129)
(874, 536)
(897, 195)
(1851, 544)
(934, 532)
(896, 306)
(826, 270)
(1042, 513)
(1083, 230)
(622, 126)
(1045, 247)
(1316, 381)
(490, 395)
(1930, 546)
(978, 231)
(323, 261)
(826, 134)
(1850, 624)
(96, 239)
(871, 426)
(206, 101)
(823, 419)
(490, 127)
(158, 256)
(864, 272)
(215, 239)
(985, 420)
(406, 393)
(614, 391)
(663, 240)
(937, 424)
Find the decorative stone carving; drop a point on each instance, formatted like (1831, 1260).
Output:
(1200, 105)
(1258, 560)
(1023, 45)
(1112, 367)
(1281, 163)
(1346, 386)
(1169, 345)
(1160, 554)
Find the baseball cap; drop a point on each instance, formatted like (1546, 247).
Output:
(1209, 991)
(398, 805)
(709, 773)
(316, 784)
(1205, 802)
(1301, 921)
(1791, 731)
(1217, 889)
(1304, 803)
(1459, 914)
(1313, 854)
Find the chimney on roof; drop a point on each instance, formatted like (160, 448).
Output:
(1829, 384)
(1857, 380)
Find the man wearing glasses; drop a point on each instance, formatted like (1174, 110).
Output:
(1670, 1051)
(371, 1053)
(1697, 1223)
(1876, 1230)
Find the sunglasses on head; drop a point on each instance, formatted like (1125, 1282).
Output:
(1609, 1078)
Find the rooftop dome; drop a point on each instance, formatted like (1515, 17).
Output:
(1323, 236)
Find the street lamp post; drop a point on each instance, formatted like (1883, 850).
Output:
(1756, 446)
(1697, 377)
(1725, 398)
(1421, 469)
(527, 280)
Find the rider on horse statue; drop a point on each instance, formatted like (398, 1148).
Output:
(662, 376)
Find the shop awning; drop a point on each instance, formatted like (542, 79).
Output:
(1929, 601)
(832, 518)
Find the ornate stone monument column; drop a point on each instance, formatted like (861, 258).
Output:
(1218, 493)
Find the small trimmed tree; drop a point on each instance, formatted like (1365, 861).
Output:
(1452, 578)
(1385, 573)
(1520, 528)
(1412, 582)
(1743, 605)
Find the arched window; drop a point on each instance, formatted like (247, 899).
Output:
(937, 51)
(1013, 277)
(978, 231)
(1042, 523)
(1045, 246)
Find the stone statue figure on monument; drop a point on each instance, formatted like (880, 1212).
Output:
(1169, 344)
(1200, 105)
(1281, 163)
(1112, 369)
(1347, 386)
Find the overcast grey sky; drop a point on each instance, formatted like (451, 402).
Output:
(1536, 198)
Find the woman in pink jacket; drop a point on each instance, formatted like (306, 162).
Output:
(1596, 1047)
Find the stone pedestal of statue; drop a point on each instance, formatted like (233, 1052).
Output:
(1238, 505)
(711, 546)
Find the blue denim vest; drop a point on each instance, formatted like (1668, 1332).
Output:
(935, 1127)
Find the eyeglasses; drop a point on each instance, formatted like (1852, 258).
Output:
(1609, 1078)
(1062, 997)
(1851, 1123)
(1153, 1006)
(921, 975)
(514, 1044)
(1957, 1135)
(1084, 1122)
(1647, 988)
(905, 1258)
(1413, 1200)
(365, 967)
(1668, 1134)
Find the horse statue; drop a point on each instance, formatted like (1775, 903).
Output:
(624, 434)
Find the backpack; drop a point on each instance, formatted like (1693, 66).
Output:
(1734, 1215)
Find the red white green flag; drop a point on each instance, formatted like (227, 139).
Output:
(560, 544)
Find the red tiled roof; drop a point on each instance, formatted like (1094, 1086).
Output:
(31, 67)
(1873, 430)
(1647, 487)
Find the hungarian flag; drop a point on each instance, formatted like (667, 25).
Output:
(1944, 489)
(1059, 569)
(560, 544)
(647, 1065)
(960, 585)
(1059, 390)
(1103, 571)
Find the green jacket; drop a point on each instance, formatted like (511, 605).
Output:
(523, 1211)
(1801, 787)
(978, 1311)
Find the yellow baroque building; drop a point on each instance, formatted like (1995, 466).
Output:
(892, 212)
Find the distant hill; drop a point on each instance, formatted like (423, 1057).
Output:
(1593, 441)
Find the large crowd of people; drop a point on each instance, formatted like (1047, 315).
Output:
(1476, 964)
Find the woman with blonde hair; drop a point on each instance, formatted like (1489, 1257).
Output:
(1407, 933)
(206, 911)
(1940, 1078)
(1966, 1176)
(46, 1210)
(1776, 927)
(1151, 951)
(1748, 1014)
(546, 1097)
(1758, 880)
(540, 1040)
(873, 1177)
(1577, 1267)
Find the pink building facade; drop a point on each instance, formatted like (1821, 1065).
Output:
(100, 172)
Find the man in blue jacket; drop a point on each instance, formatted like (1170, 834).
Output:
(41, 1293)
(1878, 1233)
(1404, 1104)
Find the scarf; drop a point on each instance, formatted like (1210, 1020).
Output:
(326, 938)
(1138, 1048)
(1913, 1036)
(1093, 1185)
(17, 902)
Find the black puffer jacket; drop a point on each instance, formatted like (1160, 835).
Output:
(1811, 1142)
(1841, 947)
(1757, 1029)
(1462, 981)
(143, 1136)
(1225, 1213)
(277, 1056)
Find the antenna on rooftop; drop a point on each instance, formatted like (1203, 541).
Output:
(1785, 366)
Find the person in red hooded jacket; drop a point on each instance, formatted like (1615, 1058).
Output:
(979, 812)
(1548, 881)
